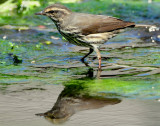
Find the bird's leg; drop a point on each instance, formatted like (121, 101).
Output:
(90, 51)
(98, 56)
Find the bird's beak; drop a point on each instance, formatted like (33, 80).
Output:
(40, 13)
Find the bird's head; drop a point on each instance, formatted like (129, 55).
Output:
(56, 12)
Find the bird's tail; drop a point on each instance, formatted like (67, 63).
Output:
(151, 28)
(144, 25)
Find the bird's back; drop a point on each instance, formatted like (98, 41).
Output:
(87, 29)
(91, 24)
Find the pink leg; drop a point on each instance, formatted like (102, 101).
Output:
(98, 55)
(99, 63)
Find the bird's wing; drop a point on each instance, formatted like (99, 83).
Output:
(93, 24)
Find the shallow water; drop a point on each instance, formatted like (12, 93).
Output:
(42, 75)
(19, 109)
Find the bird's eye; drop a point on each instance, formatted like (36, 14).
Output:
(52, 11)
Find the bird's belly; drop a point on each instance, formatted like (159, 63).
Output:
(89, 40)
(75, 40)
(98, 38)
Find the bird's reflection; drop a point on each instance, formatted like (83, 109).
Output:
(75, 97)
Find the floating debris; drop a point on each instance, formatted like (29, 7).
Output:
(4, 37)
(33, 62)
(153, 28)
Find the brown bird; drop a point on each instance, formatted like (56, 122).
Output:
(86, 30)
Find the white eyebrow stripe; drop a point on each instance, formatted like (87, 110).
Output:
(57, 9)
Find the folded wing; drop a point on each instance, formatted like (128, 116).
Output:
(100, 24)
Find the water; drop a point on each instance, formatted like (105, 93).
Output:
(43, 82)
(41, 76)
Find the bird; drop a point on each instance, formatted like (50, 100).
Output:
(82, 29)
